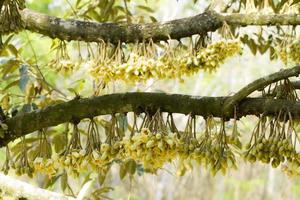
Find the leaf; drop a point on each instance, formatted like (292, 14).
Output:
(12, 84)
(122, 171)
(153, 19)
(273, 54)
(59, 142)
(101, 178)
(8, 39)
(98, 193)
(64, 181)
(148, 9)
(263, 48)
(251, 44)
(13, 50)
(5, 102)
(140, 169)
(131, 166)
(8, 65)
(123, 124)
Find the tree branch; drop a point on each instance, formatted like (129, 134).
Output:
(78, 109)
(259, 84)
(260, 19)
(176, 29)
(19, 189)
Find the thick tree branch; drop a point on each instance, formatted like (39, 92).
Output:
(19, 189)
(259, 84)
(78, 109)
(94, 32)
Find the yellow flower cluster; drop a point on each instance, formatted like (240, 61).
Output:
(212, 152)
(274, 150)
(107, 154)
(290, 53)
(139, 68)
(214, 55)
(64, 66)
(45, 166)
(151, 150)
(74, 160)
(292, 168)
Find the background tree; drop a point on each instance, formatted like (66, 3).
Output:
(67, 118)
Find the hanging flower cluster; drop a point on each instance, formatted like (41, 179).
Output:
(10, 18)
(173, 64)
(290, 53)
(156, 141)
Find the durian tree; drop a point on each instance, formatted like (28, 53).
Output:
(52, 131)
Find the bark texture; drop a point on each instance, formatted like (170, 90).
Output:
(79, 109)
(176, 29)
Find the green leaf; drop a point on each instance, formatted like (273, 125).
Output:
(150, 10)
(153, 19)
(13, 50)
(8, 39)
(131, 166)
(253, 47)
(8, 65)
(12, 84)
(101, 178)
(123, 123)
(140, 169)
(122, 171)
(64, 181)
(59, 141)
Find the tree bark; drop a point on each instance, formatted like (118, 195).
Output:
(176, 29)
(78, 109)
(259, 84)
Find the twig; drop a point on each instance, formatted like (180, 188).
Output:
(258, 84)
(39, 70)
